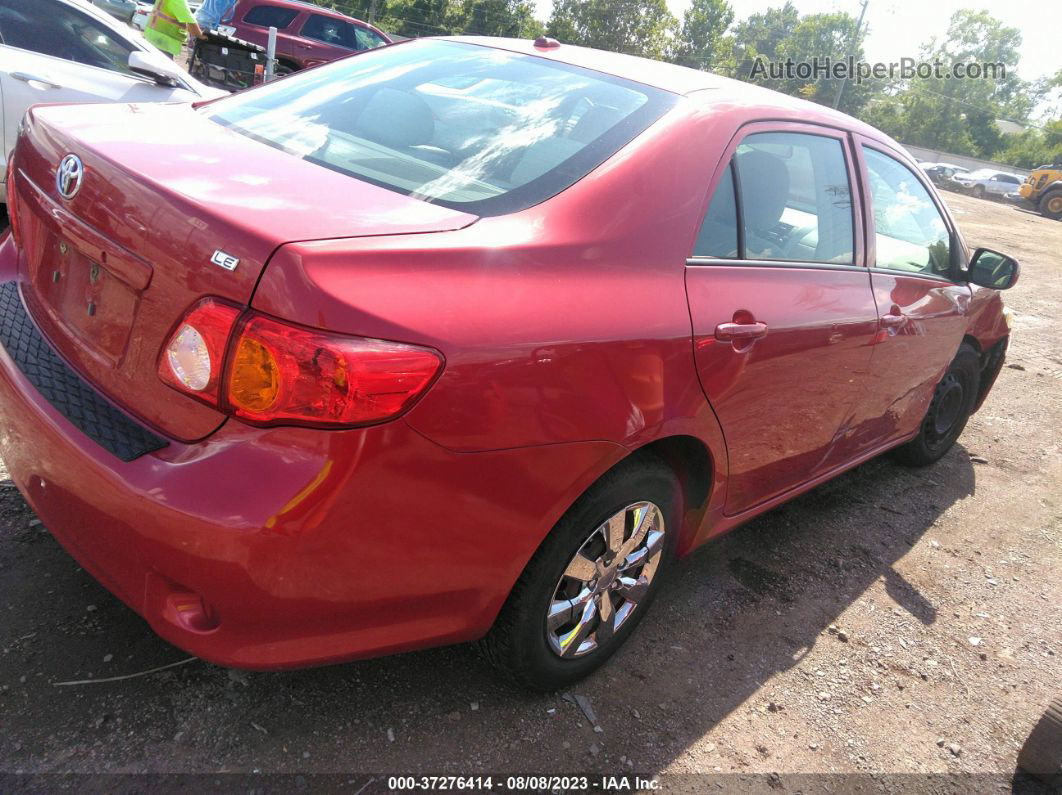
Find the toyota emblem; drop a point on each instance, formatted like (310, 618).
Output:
(68, 176)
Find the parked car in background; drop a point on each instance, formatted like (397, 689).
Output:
(307, 34)
(119, 9)
(140, 16)
(70, 51)
(987, 182)
(941, 173)
(464, 339)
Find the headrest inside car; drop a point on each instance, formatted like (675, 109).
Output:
(396, 119)
(764, 187)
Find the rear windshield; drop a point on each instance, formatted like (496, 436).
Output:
(473, 128)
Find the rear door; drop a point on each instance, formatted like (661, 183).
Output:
(783, 314)
(916, 258)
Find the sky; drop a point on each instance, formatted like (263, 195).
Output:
(898, 28)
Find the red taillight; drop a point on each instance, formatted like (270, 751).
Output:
(281, 373)
(274, 373)
(193, 359)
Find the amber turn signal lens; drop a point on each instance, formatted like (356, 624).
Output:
(254, 383)
(282, 374)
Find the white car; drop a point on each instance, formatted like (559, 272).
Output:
(987, 182)
(140, 16)
(70, 51)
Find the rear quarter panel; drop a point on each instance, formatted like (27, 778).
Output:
(566, 322)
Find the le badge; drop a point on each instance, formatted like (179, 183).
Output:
(223, 260)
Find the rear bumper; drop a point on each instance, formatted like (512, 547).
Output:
(271, 548)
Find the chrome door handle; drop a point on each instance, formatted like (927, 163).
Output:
(740, 331)
(893, 321)
(26, 77)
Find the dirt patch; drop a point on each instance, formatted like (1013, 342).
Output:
(891, 621)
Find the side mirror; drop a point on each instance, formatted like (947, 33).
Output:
(142, 64)
(991, 269)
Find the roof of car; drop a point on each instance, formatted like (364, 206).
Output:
(700, 85)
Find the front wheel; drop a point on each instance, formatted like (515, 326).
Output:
(979, 191)
(953, 403)
(590, 582)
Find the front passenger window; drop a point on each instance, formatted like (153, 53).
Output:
(910, 233)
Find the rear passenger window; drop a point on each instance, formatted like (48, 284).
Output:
(719, 233)
(271, 16)
(910, 233)
(795, 202)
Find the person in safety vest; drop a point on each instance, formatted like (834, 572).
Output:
(169, 24)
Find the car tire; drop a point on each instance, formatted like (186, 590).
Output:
(979, 191)
(523, 645)
(1041, 756)
(952, 404)
(1051, 205)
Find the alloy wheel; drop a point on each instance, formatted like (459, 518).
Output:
(606, 580)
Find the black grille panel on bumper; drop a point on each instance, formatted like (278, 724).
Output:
(64, 389)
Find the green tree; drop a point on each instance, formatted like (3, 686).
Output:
(701, 41)
(761, 34)
(820, 36)
(959, 115)
(511, 18)
(636, 27)
(782, 36)
(1034, 148)
(414, 18)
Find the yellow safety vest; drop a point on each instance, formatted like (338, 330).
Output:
(166, 25)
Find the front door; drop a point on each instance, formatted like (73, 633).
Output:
(783, 314)
(916, 259)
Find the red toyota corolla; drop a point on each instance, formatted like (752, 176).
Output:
(463, 339)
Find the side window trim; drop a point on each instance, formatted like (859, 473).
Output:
(739, 211)
(957, 248)
(854, 171)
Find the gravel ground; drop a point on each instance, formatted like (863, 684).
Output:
(890, 622)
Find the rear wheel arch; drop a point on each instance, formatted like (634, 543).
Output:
(688, 459)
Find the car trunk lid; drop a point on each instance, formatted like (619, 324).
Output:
(171, 208)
